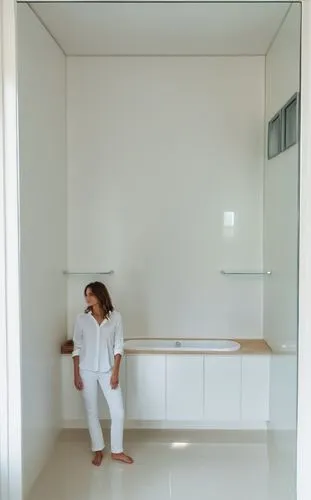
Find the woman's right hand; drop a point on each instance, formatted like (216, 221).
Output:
(78, 383)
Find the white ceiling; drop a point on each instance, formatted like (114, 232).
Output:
(162, 28)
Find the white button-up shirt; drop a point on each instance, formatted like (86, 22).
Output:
(97, 345)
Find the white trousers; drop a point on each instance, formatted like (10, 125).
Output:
(91, 381)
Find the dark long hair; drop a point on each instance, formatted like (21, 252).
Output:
(101, 293)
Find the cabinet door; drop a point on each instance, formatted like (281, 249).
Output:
(184, 387)
(145, 387)
(255, 388)
(222, 375)
(72, 402)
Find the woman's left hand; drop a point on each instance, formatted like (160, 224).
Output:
(114, 381)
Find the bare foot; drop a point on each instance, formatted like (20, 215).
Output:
(98, 458)
(121, 457)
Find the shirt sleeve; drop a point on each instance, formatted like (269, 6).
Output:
(77, 339)
(118, 340)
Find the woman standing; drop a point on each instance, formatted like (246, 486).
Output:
(98, 350)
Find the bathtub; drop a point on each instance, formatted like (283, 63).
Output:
(179, 345)
(200, 384)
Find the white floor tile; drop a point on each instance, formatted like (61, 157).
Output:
(163, 471)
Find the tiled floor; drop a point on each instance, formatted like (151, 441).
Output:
(169, 466)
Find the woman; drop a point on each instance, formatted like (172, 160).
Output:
(98, 349)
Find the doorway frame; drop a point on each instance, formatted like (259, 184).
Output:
(304, 330)
(10, 360)
(10, 324)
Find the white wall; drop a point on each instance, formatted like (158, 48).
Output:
(281, 229)
(43, 236)
(158, 150)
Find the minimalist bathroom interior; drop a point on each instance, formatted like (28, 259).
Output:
(159, 153)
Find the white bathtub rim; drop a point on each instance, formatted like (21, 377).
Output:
(186, 345)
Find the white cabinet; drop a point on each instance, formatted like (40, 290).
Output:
(222, 395)
(184, 386)
(255, 394)
(212, 390)
(73, 408)
(145, 387)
